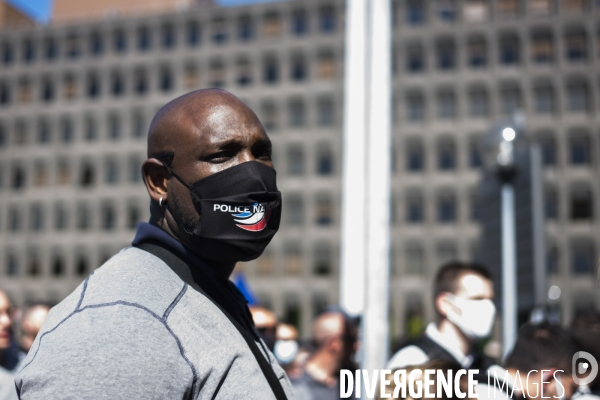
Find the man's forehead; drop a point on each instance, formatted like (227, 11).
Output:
(4, 302)
(473, 285)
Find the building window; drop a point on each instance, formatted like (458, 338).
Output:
(81, 267)
(271, 70)
(322, 259)
(540, 7)
(544, 99)
(12, 265)
(134, 216)
(582, 258)
(165, 80)
(245, 28)
(446, 55)
(415, 58)
(114, 127)
(47, 91)
(297, 117)
(119, 41)
(91, 129)
(509, 50)
(292, 258)
(63, 172)
(294, 209)
(28, 51)
(271, 24)
(324, 160)
(87, 175)
(325, 65)
(295, 161)
(117, 84)
(415, 157)
(323, 210)
(476, 10)
(138, 124)
(73, 46)
(93, 86)
(66, 130)
(579, 146)
(327, 19)
(21, 133)
(269, 115)
(299, 23)
(192, 33)
(548, 147)
(40, 173)
(475, 159)
(168, 35)
(191, 76)
(4, 94)
(477, 53)
(3, 135)
(111, 171)
(96, 44)
(141, 82)
(25, 92)
(446, 155)
(508, 8)
(415, 208)
(542, 48)
(551, 204)
(415, 107)
(265, 265)
(582, 204)
(109, 217)
(15, 219)
(447, 105)
(44, 131)
(415, 12)
(69, 87)
(36, 218)
(217, 74)
(8, 53)
(50, 49)
(144, 39)
(478, 103)
(446, 208)
(58, 265)
(573, 5)
(244, 72)
(446, 10)
(475, 208)
(415, 259)
(84, 217)
(576, 46)
(34, 268)
(61, 221)
(135, 169)
(298, 71)
(578, 97)
(325, 112)
(511, 99)
(219, 31)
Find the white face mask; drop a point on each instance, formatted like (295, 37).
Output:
(475, 318)
(285, 351)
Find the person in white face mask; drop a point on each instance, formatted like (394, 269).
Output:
(464, 302)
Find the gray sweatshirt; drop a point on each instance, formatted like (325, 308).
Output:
(134, 330)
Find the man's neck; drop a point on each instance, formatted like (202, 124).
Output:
(454, 336)
(322, 368)
(161, 221)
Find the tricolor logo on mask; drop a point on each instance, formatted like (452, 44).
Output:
(252, 218)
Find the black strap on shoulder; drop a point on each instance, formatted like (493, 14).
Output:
(433, 350)
(182, 269)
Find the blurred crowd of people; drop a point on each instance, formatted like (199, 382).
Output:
(539, 366)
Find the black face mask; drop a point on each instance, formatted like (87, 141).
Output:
(240, 211)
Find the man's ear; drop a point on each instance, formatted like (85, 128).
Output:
(156, 179)
(444, 305)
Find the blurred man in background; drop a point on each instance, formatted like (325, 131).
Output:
(335, 339)
(10, 356)
(32, 322)
(463, 295)
(539, 366)
(265, 322)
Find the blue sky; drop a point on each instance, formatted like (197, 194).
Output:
(40, 9)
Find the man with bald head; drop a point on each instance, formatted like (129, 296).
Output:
(160, 319)
(10, 356)
(335, 341)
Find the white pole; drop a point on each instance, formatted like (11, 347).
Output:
(378, 187)
(353, 223)
(509, 269)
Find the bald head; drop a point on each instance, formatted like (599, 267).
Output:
(328, 325)
(202, 112)
(5, 321)
(263, 318)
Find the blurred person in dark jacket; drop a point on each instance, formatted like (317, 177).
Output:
(32, 322)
